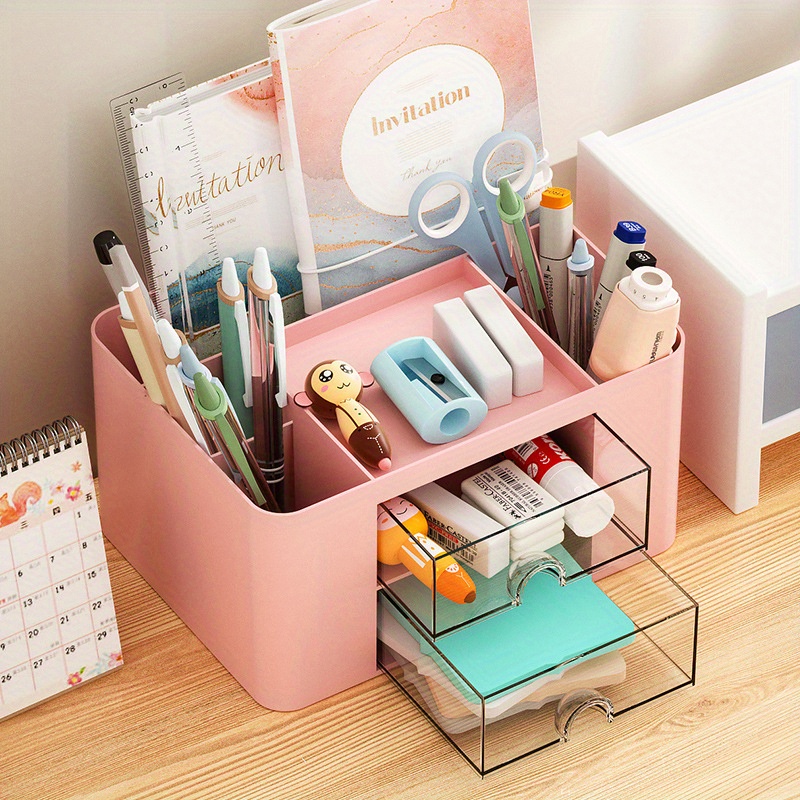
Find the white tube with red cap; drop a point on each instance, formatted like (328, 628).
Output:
(544, 461)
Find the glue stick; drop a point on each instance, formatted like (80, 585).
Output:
(544, 461)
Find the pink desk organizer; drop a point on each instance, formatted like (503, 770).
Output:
(287, 601)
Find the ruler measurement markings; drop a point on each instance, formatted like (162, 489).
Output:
(123, 113)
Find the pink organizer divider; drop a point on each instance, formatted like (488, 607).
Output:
(287, 601)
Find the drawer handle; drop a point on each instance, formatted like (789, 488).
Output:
(522, 571)
(574, 703)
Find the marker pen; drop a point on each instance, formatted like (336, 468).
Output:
(555, 247)
(580, 267)
(627, 237)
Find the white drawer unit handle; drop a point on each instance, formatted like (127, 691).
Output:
(522, 571)
(574, 703)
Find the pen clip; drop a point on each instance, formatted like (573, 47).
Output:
(240, 315)
(279, 343)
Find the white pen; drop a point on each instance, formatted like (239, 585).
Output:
(171, 344)
(555, 247)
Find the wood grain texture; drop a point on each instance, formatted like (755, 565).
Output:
(172, 723)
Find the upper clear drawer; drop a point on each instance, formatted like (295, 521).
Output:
(463, 548)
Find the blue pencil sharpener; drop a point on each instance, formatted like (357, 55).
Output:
(428, 389)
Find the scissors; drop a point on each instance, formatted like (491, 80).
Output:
(466, 230)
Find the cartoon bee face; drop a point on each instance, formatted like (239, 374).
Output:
(336, 381)
(400, 508)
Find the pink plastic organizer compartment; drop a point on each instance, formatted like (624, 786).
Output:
(287, 601)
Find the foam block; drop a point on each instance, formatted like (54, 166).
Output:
(527, 362)
(470, 348)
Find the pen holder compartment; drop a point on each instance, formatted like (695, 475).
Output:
(268, 592)
(598, 255)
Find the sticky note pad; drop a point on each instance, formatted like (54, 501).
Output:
(525, 358)
(552, 625)
(471, 349)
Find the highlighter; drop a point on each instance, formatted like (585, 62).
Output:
(639, 326)
(403, 539)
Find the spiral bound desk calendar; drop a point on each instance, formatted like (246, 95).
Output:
(58, 626)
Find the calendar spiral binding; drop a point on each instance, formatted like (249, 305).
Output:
(29, 448)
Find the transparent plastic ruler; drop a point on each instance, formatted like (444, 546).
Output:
(158, 160)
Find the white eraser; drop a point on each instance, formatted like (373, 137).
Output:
(550, 537)
(507, 494)
(527, 362)
(455, 525)
(534, 539)
(470, 348)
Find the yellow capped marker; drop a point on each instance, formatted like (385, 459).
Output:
(556, 197)
(555, 247)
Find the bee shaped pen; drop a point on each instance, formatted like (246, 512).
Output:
(334, 389)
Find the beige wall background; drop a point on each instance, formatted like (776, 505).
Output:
(601, 66)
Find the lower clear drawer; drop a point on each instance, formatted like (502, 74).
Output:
(517, 682)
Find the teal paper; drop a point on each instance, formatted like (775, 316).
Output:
(554, 624)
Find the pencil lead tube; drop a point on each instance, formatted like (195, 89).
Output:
(580, 267)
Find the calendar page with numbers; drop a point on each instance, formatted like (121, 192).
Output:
(58, 626)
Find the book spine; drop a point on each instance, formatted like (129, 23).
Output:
(307, 260)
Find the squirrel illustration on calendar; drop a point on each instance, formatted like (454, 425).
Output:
(26, 493)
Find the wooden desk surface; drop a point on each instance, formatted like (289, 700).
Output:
(173, 723)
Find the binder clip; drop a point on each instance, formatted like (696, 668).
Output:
(428, 389)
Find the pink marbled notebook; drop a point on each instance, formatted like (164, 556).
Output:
(372, 98)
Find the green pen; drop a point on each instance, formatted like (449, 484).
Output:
(511, 209)
(235, 334)
(213, 405)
